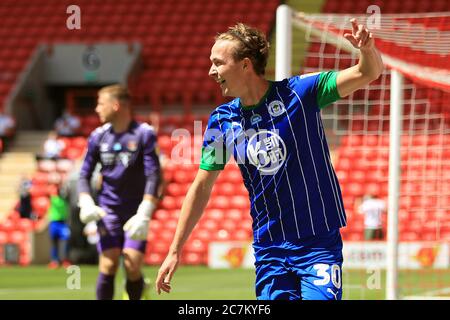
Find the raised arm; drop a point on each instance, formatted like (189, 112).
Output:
(370, 65)
(192, 209)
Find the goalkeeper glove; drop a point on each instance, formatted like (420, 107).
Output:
(88, 210)
(137, 225)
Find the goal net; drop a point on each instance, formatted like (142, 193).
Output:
(390, 140)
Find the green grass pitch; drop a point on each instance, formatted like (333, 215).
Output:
(195, 283)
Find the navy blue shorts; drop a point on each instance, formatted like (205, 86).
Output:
(307, 269)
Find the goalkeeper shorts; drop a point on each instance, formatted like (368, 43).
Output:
(307, 269)
(112, 235)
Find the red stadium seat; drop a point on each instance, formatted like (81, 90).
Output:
(241, 235)
(161, 214)
(40, 178)
(219, 202)
(237, 214)
(155, 225)
(79, 142)
(184, 177)
(228, 225)
(47, 165)
(192, 258)
(73, 153)
(202, 234)
(154, 258)
(222, 235)
(39, 190)
(24, 259)
(246, 223)
(64, 165)
(216, 214)
(40, 205)
(171, 224)
(196, 246)
(168, 203)
(355, 236)
(103, 27)
(159, 247)
(165, 235)
(208, 224)
(226, 189)
(17, 237)
(25, 225)
(233, 176)
(240, 202)
(3, 237)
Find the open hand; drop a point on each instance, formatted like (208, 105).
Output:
(166, 272)
(361, 38)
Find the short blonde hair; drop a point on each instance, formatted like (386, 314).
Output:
(252, 44)
(118, 92)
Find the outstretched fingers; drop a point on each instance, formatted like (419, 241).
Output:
(360, 34)
(351, 38)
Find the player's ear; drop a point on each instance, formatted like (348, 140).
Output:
(116, 105)
(246, 63)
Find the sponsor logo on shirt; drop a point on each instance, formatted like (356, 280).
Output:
(254, 119)
(132, 145)
(266, 151)
(107, 158)
(124, 158)
(276, 108)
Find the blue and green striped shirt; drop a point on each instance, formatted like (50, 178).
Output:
(282, 152)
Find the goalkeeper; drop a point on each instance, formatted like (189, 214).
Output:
(130, 170)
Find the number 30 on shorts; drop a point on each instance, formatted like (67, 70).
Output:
(322, 271)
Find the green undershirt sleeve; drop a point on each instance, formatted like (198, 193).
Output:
(327, 92)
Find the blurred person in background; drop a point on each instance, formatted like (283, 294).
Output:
(82, 250)
(52, 148)
(7, 130)
(372, 208)
(130, 170)
(59, 231)
(68, 125)
(24, 206)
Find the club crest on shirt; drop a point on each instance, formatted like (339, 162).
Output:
(276, 108)
(254, 119)
(132, 145)
(266, 151)
(124, 158)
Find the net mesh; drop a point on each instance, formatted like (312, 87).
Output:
(418, 46)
